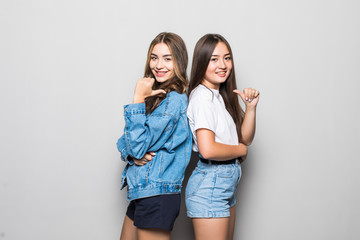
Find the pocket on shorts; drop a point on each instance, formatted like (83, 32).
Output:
(226, 171)
(239, 174)
(194, 183)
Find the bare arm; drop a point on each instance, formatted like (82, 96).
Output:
(248, 126)
(210, 149)
(250, 97)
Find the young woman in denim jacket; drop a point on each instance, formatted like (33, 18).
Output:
(221, 132)
(156, 144)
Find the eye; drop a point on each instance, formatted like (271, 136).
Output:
(168, 59)
(213, 59)
(153, 58)
(227, 58)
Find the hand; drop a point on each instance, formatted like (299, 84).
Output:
(145, 159)
(250, 96)
(144, 89)
(243, 158)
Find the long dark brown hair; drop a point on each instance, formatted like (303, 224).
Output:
(202, 54)
(180, 58)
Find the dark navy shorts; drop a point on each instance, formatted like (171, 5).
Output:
(155, 212)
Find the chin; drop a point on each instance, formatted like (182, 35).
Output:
(221, 80)
(161, 80)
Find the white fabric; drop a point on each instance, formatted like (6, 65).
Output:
(207, 110)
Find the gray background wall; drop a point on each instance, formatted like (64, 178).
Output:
(68, 67)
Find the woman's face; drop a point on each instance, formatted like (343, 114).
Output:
(161, 62)
(219, 67)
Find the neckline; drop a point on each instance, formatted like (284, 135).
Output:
(215, 91)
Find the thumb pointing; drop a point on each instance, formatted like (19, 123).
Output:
(156, 92)
(241, 94)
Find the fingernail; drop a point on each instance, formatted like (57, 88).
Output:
(246, 99)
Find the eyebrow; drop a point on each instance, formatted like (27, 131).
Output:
(166, 55)
(218, 55)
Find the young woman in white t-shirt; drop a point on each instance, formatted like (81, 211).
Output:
(221, 132)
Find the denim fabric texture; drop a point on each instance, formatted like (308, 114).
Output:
(166, 132)
(210, 191)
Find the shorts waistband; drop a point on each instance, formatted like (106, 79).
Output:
(206, 161)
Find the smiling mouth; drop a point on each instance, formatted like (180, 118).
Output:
(160, 74)
(221, 74)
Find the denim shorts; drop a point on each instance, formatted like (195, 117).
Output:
(210, 191)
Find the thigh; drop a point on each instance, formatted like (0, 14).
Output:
(232, 222)
(153, 234)
(211, 228)
(129, 231)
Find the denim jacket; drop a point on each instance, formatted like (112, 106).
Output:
(166, 132)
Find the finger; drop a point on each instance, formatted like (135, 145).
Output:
(138, 163)
(152, 153)
(147, 157)
(142, 162)
(257, 93)
(241, 94)
(149, 80)
(247, 94)
(237, 91)
(156, 92)
(146, 82)
(252, 94)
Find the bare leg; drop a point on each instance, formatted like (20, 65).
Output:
(129, 231)
(232, 222)
(211, 228)
(153, 234)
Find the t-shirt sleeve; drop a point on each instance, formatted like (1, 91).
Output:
(201, 113)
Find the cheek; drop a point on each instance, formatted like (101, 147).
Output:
(209, 68)
(209, 76)
(152, 65)
(170, 66)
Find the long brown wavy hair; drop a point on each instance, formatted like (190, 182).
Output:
(180, 58)
(202, 53)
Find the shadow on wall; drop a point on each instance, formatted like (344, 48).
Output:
(183, 228)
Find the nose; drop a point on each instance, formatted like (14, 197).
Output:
(159, 64)
(222, 64)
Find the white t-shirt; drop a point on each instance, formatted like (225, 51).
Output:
(207, 110)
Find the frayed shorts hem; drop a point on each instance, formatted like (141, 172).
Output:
(209, 214)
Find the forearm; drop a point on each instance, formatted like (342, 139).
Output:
(210, 149)
(248, 126)
(222, 152)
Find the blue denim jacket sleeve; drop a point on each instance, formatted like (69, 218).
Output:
(148, 133)
(121, 145)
